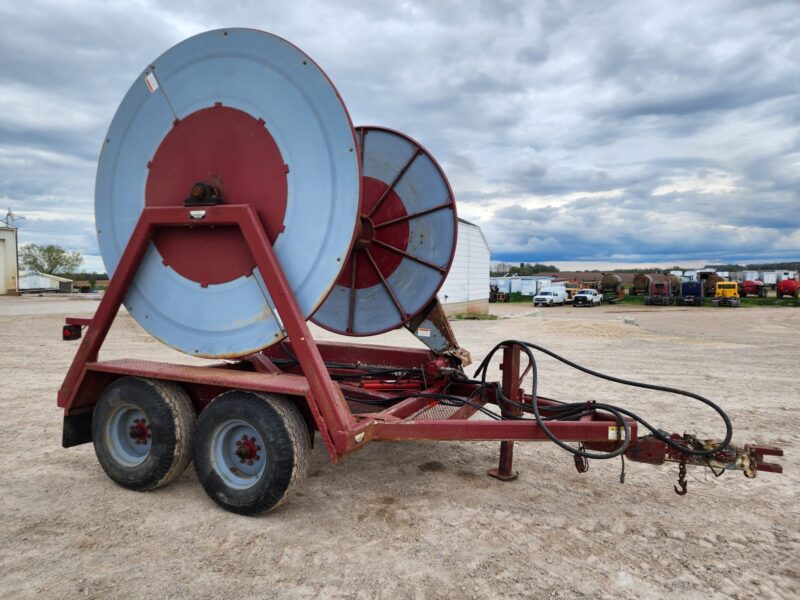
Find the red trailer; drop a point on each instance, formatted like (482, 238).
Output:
(788, 287)
(351, 394)
(753, 287)
(248, 420)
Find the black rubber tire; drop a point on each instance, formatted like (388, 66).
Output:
(171, 418)
(287, 453)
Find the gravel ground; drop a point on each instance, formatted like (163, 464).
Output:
(402, 520)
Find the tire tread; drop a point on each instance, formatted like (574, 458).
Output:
(298, 434)
(183, 416)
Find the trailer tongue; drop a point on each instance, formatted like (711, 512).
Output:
(218, 260)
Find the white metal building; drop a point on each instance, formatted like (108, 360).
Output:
(8, 260)
(34, 281)
(466, 287)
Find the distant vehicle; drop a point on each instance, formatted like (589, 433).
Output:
(550, 297)
(659, 294)
(587, 297)
(770, 278)
(611, 288)
(726, 294)
(752, 287)
(788, 287)
(691, 293)
(710, 280)
(571, 288)
(641, 284)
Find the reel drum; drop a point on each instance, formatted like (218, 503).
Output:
(405, 242)
(254, 121)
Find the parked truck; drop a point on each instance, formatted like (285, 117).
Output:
(675, 282)
(691, 293)
(752, 287)
(659, 294)
(611, 288)
(641, 284)
(726, 293)
(710, 281)
(788, 287)
(770, 278)
(572, 288)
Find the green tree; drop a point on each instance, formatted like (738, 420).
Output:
(528, 269)
(50, 259)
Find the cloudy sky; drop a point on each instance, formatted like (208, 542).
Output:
(631, 132)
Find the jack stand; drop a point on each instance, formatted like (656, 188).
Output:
(504, 472)
(511, 389)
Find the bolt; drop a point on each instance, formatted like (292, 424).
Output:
(249, 462)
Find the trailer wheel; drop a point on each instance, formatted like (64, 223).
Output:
(142, 432)
(250, 451)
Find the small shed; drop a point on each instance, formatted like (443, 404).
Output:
(34, 281)
(8, 260)
(466, 287)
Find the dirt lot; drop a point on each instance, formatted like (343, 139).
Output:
(423, 520)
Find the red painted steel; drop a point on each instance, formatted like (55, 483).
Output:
(464, 430)
(389, 224)
(82, 321)
(363, 354)
(216, 375)
(511, 389)
(234, 152)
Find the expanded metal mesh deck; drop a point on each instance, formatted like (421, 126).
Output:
(437, 412)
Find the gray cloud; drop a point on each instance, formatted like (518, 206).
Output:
(570, 131)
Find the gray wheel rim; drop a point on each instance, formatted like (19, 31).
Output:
(128, 435)
(237, 454)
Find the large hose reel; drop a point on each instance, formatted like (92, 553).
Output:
(363, 222)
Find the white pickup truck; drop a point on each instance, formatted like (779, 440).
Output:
(586, 297)
(550, 297)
